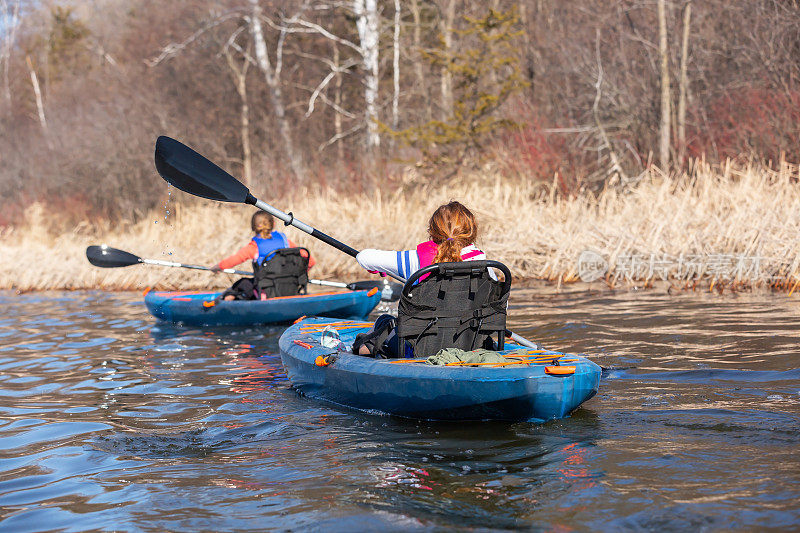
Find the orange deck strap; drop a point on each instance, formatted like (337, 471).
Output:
(209, 303)
(181, 299)
(559, 370)
(333, 325)
(507, 363)
(530, 361)
(299, 319)
(303, 344)
(148, 289)
(316, 326)
(467, 363)
(527, 356)
(543, 359)
(372, 291)
(349, 326)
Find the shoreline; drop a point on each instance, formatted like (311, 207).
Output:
(728, 226)
(537, 286)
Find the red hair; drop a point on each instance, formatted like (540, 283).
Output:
(452, 227)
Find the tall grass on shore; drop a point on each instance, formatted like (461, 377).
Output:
(728, 209)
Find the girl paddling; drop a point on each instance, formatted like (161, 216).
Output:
(452, 230)
(260, 248)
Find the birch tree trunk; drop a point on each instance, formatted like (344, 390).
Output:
(37, 92)
(240, 80)
(337, 99)
(421, 85)
(664, 129)
(272, 77)
(684, 83)
(396, 67)
(367, 23)
(446, 29)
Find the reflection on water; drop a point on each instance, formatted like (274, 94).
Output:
(110, 421)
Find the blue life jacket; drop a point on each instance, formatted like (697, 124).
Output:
(267, 247)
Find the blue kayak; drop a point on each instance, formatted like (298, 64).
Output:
(538, 385)
(201, 308)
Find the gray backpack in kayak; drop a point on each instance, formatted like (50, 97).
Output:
(456, 305)
(284, 273)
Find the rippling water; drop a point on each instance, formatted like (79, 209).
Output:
(111, 421)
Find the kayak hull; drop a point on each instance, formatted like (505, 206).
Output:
(196, 309)
(422, 391)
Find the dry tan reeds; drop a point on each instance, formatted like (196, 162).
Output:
(728, 209)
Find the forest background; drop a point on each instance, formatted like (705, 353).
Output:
(667, 130)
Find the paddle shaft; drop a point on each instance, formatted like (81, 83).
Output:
(329, 283)
(195, 267)
(326, 283)
(289, 220)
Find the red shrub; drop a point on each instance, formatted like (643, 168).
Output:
(752, 120)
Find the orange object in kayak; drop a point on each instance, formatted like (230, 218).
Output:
(559, 370)
(209, 303)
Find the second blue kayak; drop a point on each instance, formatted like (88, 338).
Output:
(202, 309)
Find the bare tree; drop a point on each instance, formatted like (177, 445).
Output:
(664, 128)
(446, 30)
(9, 24)
(272, 75)
(37, 92)
(368, 24)
(239, 74)
(396, 66)
(415, 12)
(683, 86)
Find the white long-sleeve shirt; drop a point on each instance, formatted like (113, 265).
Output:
(406, 262)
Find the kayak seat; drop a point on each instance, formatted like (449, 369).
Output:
(456, 305)
(284, 273)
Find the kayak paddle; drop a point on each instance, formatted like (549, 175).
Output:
(190, 172)
(107, 257)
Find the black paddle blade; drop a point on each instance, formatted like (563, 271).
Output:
(105, 257)
(190, 172)
(393, 296)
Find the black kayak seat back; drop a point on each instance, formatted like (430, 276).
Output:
(457, 305)
(284, 273)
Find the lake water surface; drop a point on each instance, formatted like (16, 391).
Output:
(110, 421)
